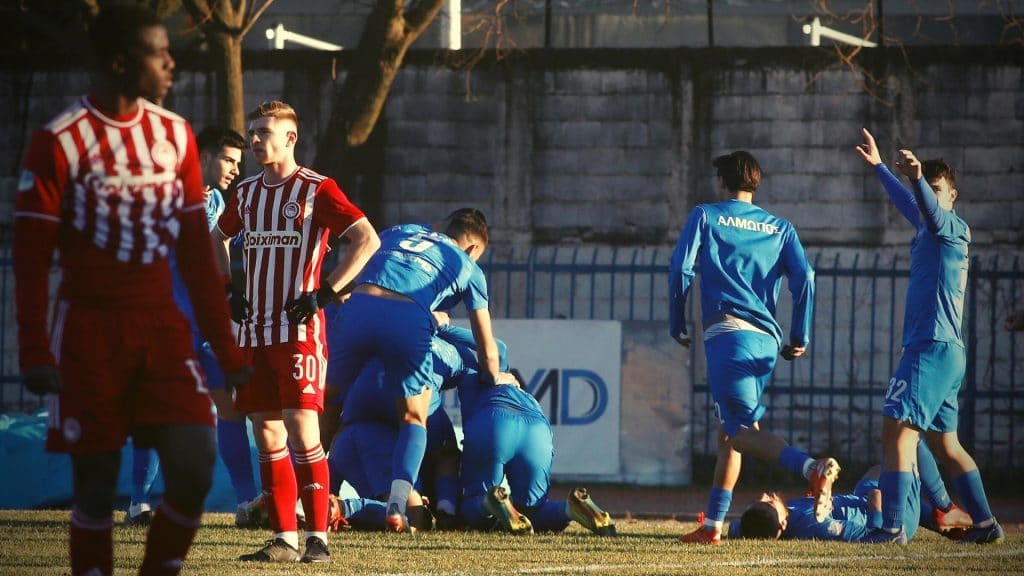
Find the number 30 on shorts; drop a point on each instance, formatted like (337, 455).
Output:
(307, 367)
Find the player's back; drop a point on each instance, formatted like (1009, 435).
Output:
(741, 262)
(422, 264)
(119, 198)
(476, 396)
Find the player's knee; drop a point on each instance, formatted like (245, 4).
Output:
(95, 499)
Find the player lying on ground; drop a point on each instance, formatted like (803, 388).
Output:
(743, 252)
(922, 396)
(855, 515)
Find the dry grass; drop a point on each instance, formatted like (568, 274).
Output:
(34, 542)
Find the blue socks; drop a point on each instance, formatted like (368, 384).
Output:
(932, 486)
(233, 446)
(550, 516)
(145, 467)
(896, 488)
(718, 505)
(409, 451)
(794, 460)
(972, 494)
(446, 489)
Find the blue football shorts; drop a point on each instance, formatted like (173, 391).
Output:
(923, 391)
(739, 365)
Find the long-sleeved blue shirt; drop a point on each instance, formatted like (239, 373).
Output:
(938, 262)
(743, 252)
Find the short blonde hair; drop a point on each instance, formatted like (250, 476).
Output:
(274, 109)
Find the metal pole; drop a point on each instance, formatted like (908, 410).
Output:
(547, 23)
(711, 23)
(881, 23)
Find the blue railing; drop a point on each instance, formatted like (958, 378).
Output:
(828, 402)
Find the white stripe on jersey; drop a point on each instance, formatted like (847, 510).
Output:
(125, 200)
(283, 249)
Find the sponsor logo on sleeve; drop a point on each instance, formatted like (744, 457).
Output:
(26, 181)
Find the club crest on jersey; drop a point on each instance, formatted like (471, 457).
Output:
(164, 154)
(72, 430)
(291, 210)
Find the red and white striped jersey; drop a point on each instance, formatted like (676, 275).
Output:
(284, 231)
(118, 188)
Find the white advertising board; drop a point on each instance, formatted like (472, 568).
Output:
(573, 368)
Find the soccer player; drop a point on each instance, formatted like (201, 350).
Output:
(389, 316)
(220, 154)
(507, 436)
(114, 183)
(744, 252)
(286, 214)
(854, 515)
(922, 393)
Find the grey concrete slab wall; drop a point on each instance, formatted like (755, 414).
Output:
(615, 147)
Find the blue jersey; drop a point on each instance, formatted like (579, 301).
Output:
(370, 399)
(848, 521)
(427, 266)
(214, 208)
(743, 252)
(476, 396)
(938, 263)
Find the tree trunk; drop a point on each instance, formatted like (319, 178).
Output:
(230, 96)
(382, 48)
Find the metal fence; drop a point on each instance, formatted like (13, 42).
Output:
(828, 402)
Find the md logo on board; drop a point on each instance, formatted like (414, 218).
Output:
(573, 396)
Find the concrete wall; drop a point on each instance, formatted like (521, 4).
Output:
(615, 147)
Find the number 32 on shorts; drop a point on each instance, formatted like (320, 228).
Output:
(306, 368)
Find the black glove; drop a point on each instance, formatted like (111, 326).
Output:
(43, 379)
(240, 307)
(303, 308)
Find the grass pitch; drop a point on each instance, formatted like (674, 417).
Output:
(34, 543)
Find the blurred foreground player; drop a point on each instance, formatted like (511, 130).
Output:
(113, 182)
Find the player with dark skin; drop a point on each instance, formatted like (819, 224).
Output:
(135, 66)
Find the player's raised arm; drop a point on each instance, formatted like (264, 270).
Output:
(681, 274)
(902, 198)
(932, 212)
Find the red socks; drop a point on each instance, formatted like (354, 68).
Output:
(91, 544)
(169, 539)
(278, 476)
(313, 481)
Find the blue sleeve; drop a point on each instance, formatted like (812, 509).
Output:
(475, 295)
(934, 216)
(680, 270)
(902, 198)
(800, 276)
